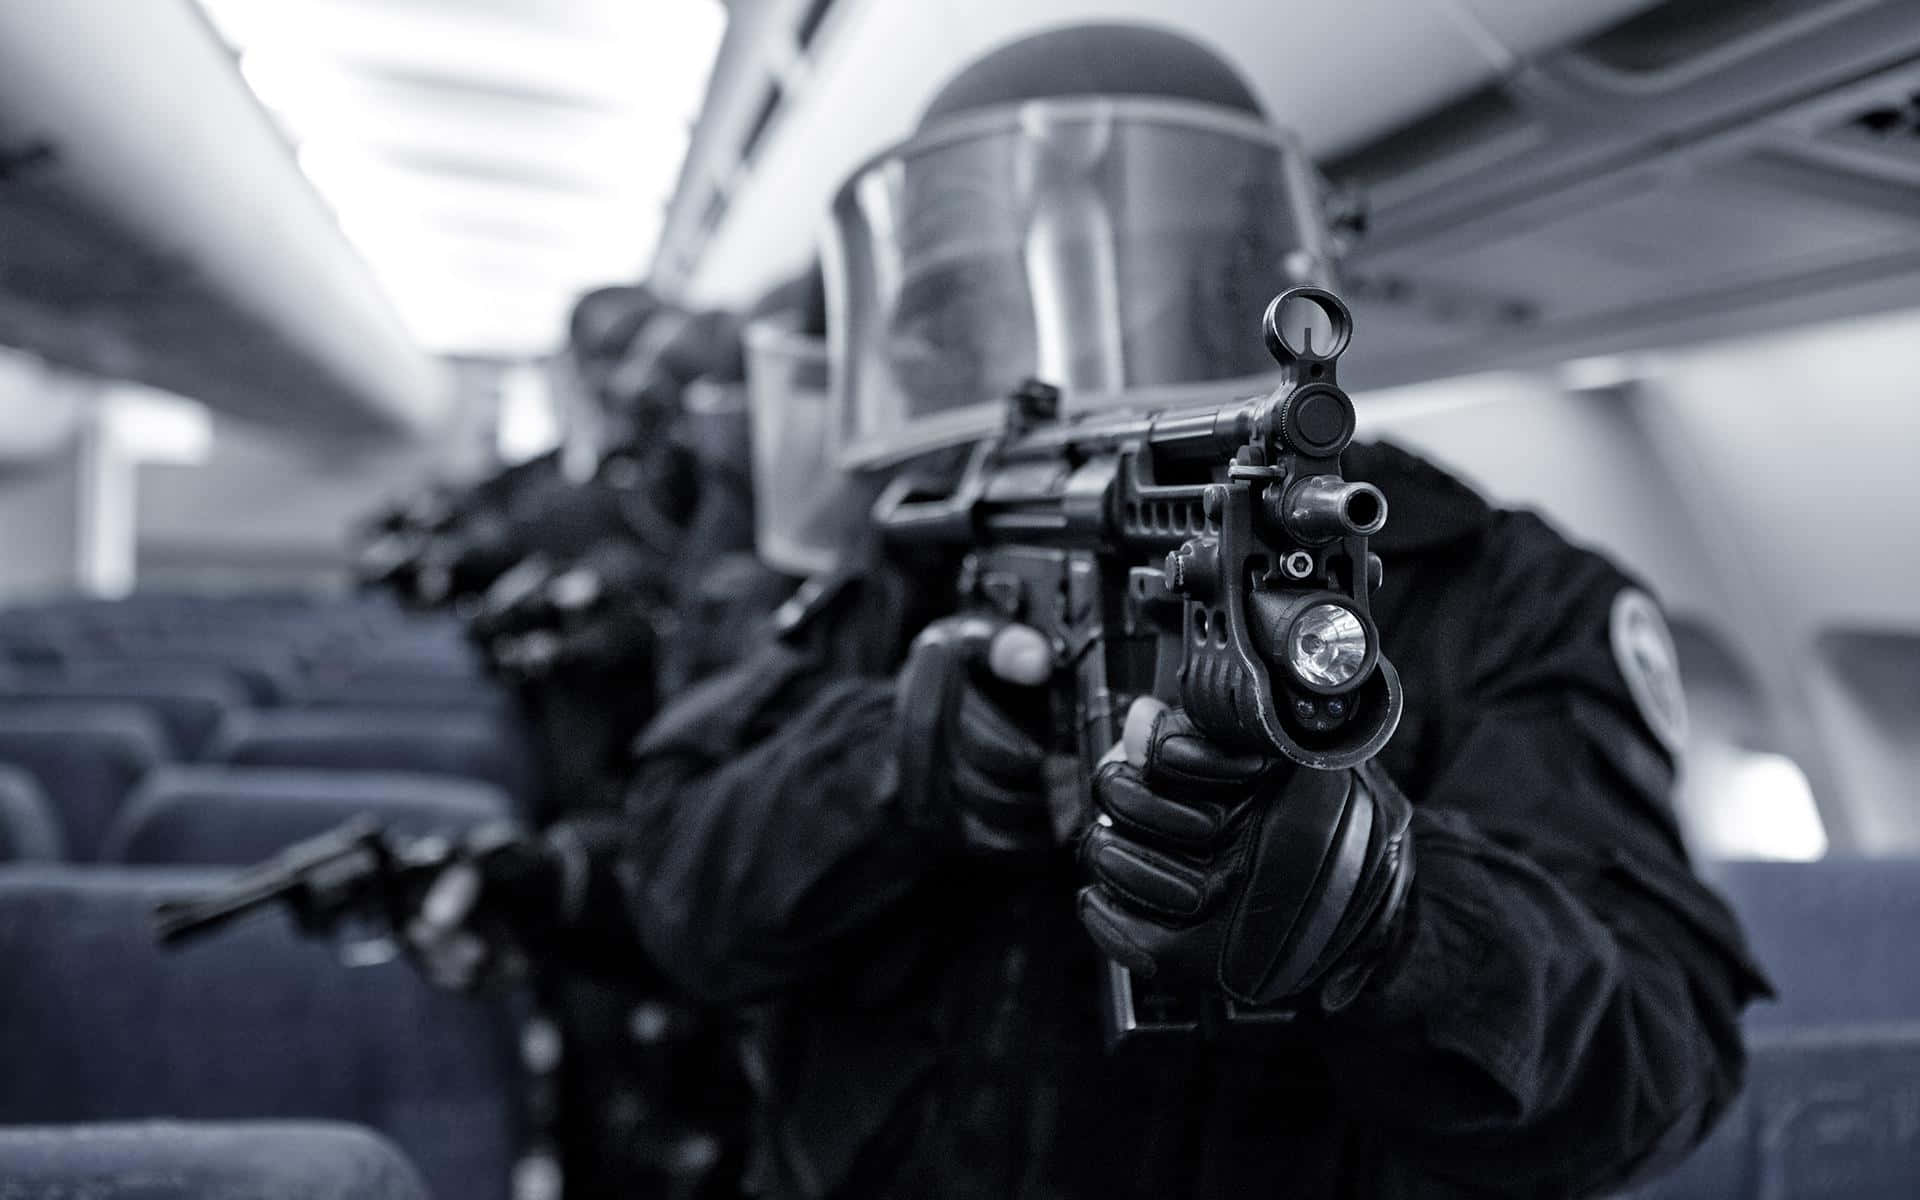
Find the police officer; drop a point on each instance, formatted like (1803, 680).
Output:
(596, 634)
(725, 598)
(1479, 963)
(448, 540)
(427, 531)
(652, 1099)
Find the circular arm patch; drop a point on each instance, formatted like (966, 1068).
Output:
(1643, 649)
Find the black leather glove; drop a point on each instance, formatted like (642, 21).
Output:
(514, 603)
(474, 922)
(1243, 873)
(965, 708)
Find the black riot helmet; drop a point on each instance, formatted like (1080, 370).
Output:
(601, 330)
(674, 349)
(603, 325)
(1102, 207)
(1094, 60)
(718, 411)
(675, 425)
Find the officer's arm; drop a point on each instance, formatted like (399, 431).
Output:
(1562, 1012)
(752, 875)
(581, 917)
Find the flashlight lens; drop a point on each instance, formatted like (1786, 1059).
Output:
(1328, 646)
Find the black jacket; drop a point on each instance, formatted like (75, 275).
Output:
(1562, 1015)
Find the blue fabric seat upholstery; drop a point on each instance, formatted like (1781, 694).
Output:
(1826, 1115)
(267, 678)
(28, 831)
(86, 757)
(1833, 1085)
(470, 745)
(173, 1160)
(234, 816)
(188, 704)
(98, 1023)
(1836, 934)
(408, 690)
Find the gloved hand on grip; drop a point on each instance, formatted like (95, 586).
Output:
(1221, 870)
(472, 922)
(967, 713)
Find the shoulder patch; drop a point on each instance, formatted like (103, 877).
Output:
(1643, 650)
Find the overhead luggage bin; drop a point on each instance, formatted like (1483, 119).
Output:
(783, 130)
(160, 230)
(1695, 171)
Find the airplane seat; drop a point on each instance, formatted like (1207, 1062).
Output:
(99, 1023)
(264, 678)
(1827, 1114)
(188, 704)
(404, 689)
(85, 757)
(30, 650)
(1828, 1109)
(1837, 936)
(237, 816)
(176, 1160)
(28, 831)
(469, 745)
(413, 658)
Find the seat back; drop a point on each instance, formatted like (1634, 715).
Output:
(98, 1023)
(85, 756)
(28, 831)
(1837, 936)
(267, 678)
(372, 690)
(174, 1160)
(1826, 1115)
(468, 745)
(188, 704)
(234, 816)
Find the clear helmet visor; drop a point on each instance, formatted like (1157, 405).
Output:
(1111, 247)
(583, 433)
(805, 508)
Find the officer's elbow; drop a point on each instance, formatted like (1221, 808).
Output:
(1662, 1063)
(1685, 1061)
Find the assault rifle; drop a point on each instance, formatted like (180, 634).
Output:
(1213, 557)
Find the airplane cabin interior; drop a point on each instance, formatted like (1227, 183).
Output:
(291, 311)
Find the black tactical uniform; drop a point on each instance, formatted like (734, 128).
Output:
(649, 525)
(657, 1102)
(1559, 1015)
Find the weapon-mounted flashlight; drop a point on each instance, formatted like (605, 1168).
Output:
(1327, 646)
